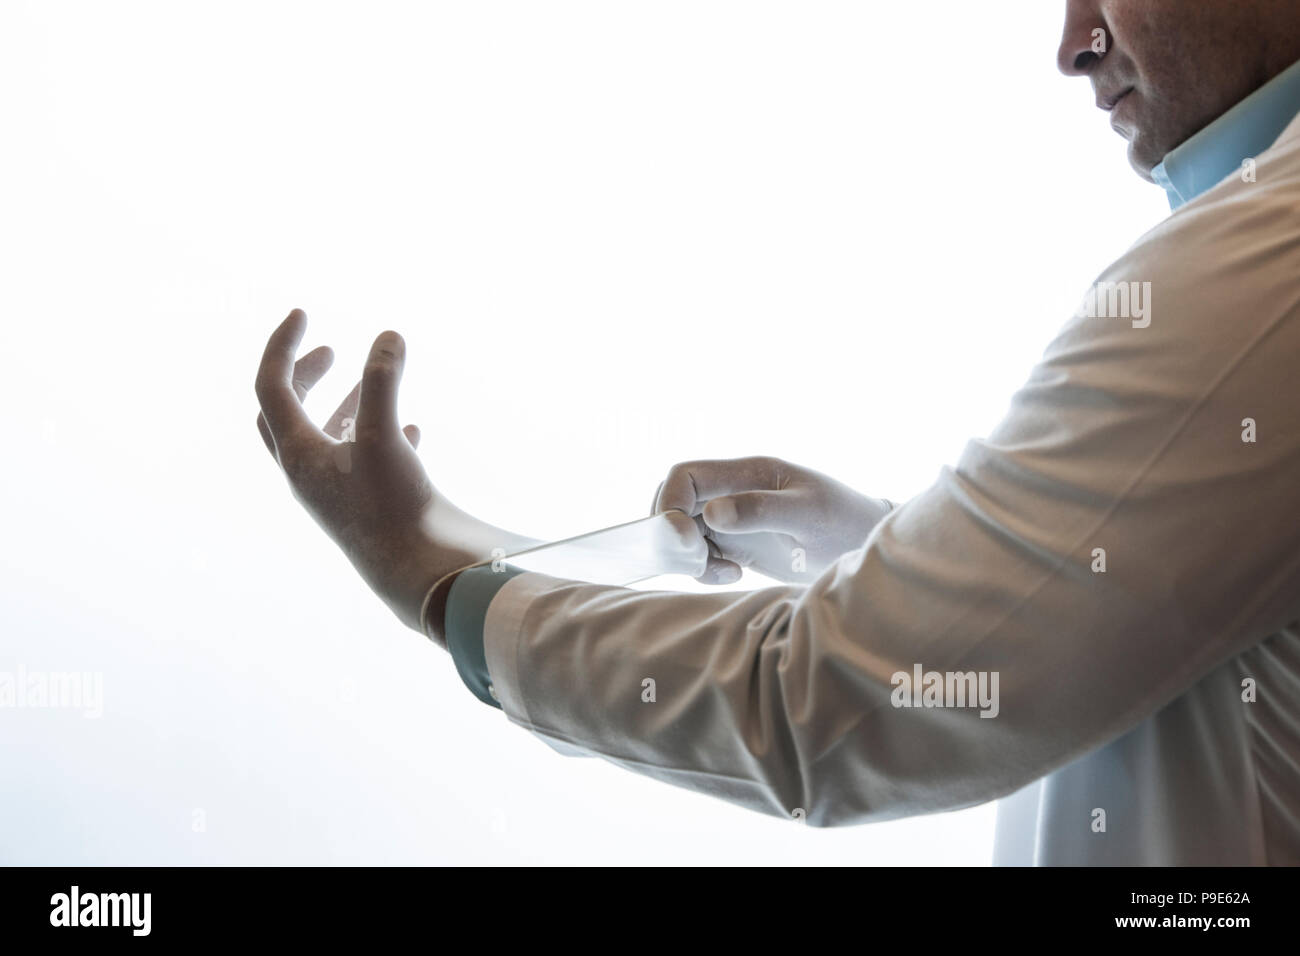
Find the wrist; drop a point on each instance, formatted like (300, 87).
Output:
(404, 569)
(433, 610)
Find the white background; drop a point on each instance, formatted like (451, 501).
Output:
(615, 235)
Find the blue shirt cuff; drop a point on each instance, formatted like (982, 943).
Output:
(463, 621)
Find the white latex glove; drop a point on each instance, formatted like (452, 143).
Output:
(360, 476)
(787, 522)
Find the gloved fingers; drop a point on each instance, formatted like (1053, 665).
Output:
(307, 371)
(277, 391)
(678, 544)
(784, 512)
(690, 484)
(718, 569)
(377, 406)
(265, 431)
(310, 369)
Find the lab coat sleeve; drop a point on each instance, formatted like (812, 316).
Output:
(1112, 540)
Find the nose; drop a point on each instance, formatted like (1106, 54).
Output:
(1084, 39)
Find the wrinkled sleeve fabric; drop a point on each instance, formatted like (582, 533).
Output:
(1112, 540)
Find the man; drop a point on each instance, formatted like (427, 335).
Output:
(1094, 613)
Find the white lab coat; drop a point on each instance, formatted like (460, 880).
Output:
(1121, 691)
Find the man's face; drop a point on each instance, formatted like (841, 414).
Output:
(1169, 67)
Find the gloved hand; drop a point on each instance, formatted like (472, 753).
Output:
(372, 494)
(787, 522)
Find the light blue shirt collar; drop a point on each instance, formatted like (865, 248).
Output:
(1218, 150)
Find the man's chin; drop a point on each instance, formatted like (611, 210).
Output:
(1141, 164)
(1142, 158)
